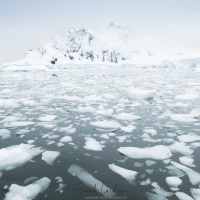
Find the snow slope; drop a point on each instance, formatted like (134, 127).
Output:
(115, 44)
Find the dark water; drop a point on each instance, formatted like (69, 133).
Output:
(48, 94)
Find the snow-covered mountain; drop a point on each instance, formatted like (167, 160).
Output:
(115, 44)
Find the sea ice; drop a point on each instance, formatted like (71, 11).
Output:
(92, 144)
(137, 93)
(195, 193)
(187, 96)
(183, 196)
(47, 118)
(173, 181)
(16, 156)
(189, 138)
(50, 156)
(66, 139)
(90, 181)
(128, 129)
(150, 131)
(181, 148)
(29, 192)
(159, 152)
(106, 124)
(4, 134)
(152, 196)
(20, 123)
(158, 190)
(129, 175)
(193, 175)
(188, 161)
(127, 117)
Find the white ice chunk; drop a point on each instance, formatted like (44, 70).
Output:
(129, 175)
(47, 118)
(21, 123)
(4, 134)
(193, 175)
(92, 144)
(68, 129)
(173, 181)
(188, 161)
(127, 117)
(137, 93)
(50, 156)
(106, 124)
(150, 131)
(10, 119)
(90, 181)
(102, 111)
(185, 118)
(187, 96)
(181, 148)
(189, 138)
(29, 192)
(195, 193)
(128, 129)
(22, 132)
(15, 156)
(183, 196)
(66, 139)
(158, 190)
(159, 152)
(86, 109)
(152, 196)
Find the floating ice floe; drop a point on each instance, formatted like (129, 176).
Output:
(152, 196)
(66, 139)
(69, 129)
(186, 118)
(22, 132)
(47, 118)
(159, 152)
(193, 176)
(173, 171)
(128, 129)
(189, 138)
(137, 93)
(4, 134)
(127, 117)
(10, 119)
(91, 181)
(173, 181)
(181, 148)
(195, 193)
(102, 111)
(50, 156)
(158, 190)
(129, 175)
(187, 96)
(86, 109)
(29, 192)
(92, 144)
(146, 182)
(16, 156)
(188, 161)
(20, 123)
(9, 103)
(106, 124)
(150, 131)
(183, 196)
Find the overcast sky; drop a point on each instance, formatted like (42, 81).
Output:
(168, 25)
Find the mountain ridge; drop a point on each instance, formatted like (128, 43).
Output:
(115, 45)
